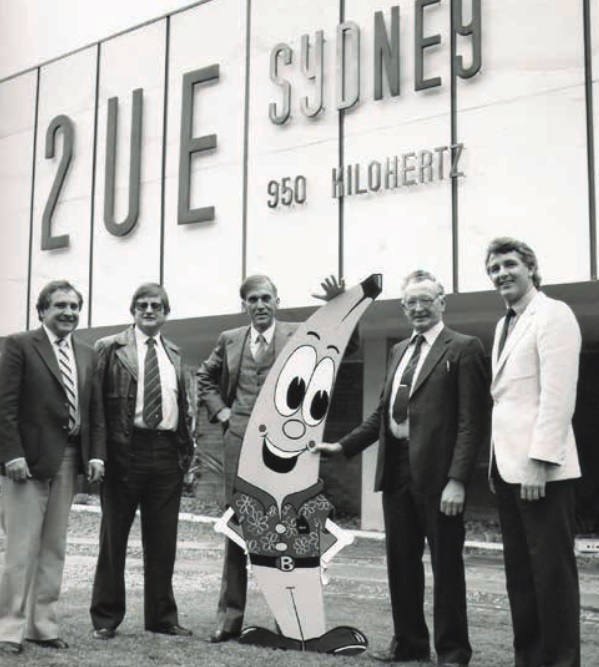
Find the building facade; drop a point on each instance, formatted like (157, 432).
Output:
(300, 139)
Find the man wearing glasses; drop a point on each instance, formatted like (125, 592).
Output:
(432, 417)
(149, 446)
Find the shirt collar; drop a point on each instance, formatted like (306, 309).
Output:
(141, 338)
(268, 334)
(520, 306)
(53, 337)
(431, 335)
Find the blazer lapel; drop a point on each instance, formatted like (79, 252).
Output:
(128, 352)
(82, 367)
(281, 337)
(433, 357)
(235, 350)
(172, 352)
(522, 324)
(44, 348)
(394, 363)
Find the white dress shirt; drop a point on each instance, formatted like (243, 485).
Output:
(168, 383)
(402, 430)
(254, 333)
(68, 348)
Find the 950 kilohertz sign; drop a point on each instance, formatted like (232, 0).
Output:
(407, 169)
(410, 168)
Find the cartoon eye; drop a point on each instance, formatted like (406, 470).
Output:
(318, 394)
(293, 380)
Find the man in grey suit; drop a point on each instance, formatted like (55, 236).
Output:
(229, 382)
(430, 421)
(51, 428)
(534, 462)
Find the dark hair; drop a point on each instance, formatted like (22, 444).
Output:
(505, 244)
(150, 289)
(43, 300)
(419, 276)
(251, 282)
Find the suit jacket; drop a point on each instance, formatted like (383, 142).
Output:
(218, 375)
(449, 414)
(34, 414)
(117, 376)
(534, 391)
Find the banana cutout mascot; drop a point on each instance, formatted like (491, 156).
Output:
(279, 514)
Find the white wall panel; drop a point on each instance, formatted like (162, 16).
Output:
(297, 245)
(121, 263)
(66, 87)
(202, 261)
(523, 123)
(17, 123)
(397, 231)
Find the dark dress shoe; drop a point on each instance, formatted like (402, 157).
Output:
(104, 633)
(401, 656)
(57, 642)
(12, 648)
(174, 630)
(223, 636)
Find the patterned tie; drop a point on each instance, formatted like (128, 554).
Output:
(400, 405)
(509, 316)
(152, 412)
(66, 371)
(261, 348)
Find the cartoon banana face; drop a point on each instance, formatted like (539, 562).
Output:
(290, 412)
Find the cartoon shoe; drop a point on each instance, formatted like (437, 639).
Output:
(341, 640)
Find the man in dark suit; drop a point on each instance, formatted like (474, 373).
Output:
(51, 428)
(430, 421)
(534, 458)
(229, 382)
(149, 447)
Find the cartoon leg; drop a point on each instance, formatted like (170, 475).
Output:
(295, 599)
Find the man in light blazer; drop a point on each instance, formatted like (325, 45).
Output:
(51, 428)
(533, 458)
(432, 417)
(228, 384)
(149, 447)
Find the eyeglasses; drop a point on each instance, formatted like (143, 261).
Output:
(142, 306)
(424, 301)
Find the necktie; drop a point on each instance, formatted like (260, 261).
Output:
(66, 372)
(152, 412)
(400, 405)
(261, 348)
(509, 316)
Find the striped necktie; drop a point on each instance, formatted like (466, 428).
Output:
(152, 412)
(402, 398)
(66, 372)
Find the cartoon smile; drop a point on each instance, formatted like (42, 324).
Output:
(276, 459)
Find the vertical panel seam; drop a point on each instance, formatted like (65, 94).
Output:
(454, 138)
(93, 188)
(167, 48)
(246, 129)
(341, 155)
(32, 199)
(588, 85)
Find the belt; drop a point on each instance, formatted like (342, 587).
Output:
(284, 563)
(153, 432)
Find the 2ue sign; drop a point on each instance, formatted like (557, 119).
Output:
(387, 51)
